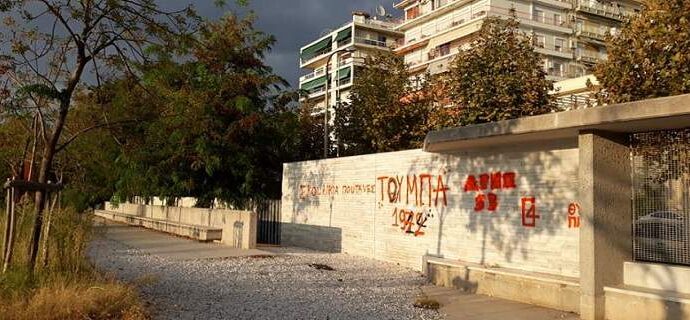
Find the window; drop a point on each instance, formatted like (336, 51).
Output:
(412, 13)
(444, 49)
(557, 19)
(382, 40)
(557, 69)
(559, 45)
(538, 15)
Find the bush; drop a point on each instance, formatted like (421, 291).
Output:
(65, 285)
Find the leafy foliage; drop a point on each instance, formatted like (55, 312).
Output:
(651, 55)
(499, 77)
(210, 130)
(384, 114)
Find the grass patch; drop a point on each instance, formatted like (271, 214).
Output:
(65, 284)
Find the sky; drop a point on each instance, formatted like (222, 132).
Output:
(294, 23)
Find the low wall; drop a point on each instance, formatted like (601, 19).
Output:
(239, 227)
(513, 207)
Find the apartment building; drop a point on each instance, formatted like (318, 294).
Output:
(346, 47)
(569, 33)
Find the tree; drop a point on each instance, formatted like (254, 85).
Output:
(650, 57)
(217, 127)
(499, 77)
(388, 109)
(53, 45)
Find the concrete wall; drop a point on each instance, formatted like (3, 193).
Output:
(401, 206)
(239, 227)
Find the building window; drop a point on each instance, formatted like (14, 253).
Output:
(559, 45)
(538, 15)
(557, 19)
(444, 49)
(557, 69)
(412, 13)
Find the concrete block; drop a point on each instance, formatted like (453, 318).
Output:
(623, 303)
(657, 276)
(542, 290)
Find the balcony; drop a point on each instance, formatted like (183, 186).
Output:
(469, 14)
(590, 57)
(600, 9)
(453, 20)
(597, 33)
(375, 43)
(315, 83)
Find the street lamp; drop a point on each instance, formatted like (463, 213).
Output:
(326, 107)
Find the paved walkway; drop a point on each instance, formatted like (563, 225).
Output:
(464, 306)
(167, 246)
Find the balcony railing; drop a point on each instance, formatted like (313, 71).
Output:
(317, 73)
(374, 42)
(601, 9)
(590, 56)
(589, 31)
(475, 13)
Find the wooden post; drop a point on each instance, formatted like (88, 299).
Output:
(5, 241)
(9, 236)
(46, 233)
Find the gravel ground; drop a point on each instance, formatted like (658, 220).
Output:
(280, 287)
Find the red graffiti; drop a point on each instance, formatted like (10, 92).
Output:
(480, 202)
(309, 191)
(509, 180)
(573, 215)
(420, 190)
(411, 222)
(489, 182)
(529, 212)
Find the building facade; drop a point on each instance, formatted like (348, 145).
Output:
(346, 47)
(569, 33)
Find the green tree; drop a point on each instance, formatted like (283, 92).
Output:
(54, 43)
(499, 77)
(215, 128)
(650, 57)
(388, 109)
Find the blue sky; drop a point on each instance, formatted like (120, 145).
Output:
(293, 23)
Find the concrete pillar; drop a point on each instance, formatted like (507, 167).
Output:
(606, 217)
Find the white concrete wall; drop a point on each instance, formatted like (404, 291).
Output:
(239, 227)
(344, 205)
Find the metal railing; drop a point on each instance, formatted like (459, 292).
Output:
(601, 9)
(472, 13)
(374, 42)
(590, 56)
(661, 197)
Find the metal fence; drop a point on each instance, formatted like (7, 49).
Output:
(268, 230)
(661, 196)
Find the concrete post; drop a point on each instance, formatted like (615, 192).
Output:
(606, 213)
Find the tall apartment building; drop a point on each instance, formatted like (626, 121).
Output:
(569, 33)
(361, 37)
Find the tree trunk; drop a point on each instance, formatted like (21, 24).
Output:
(46, 166)
(9, 231)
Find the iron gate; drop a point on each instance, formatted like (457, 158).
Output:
(268, 230)
(661, 196)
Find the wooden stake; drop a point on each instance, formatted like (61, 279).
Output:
(10, 232)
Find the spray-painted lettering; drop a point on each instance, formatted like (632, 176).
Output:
(529, 212)
(489, 182)
(411, 222)
(419, 190)
(574, 215)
